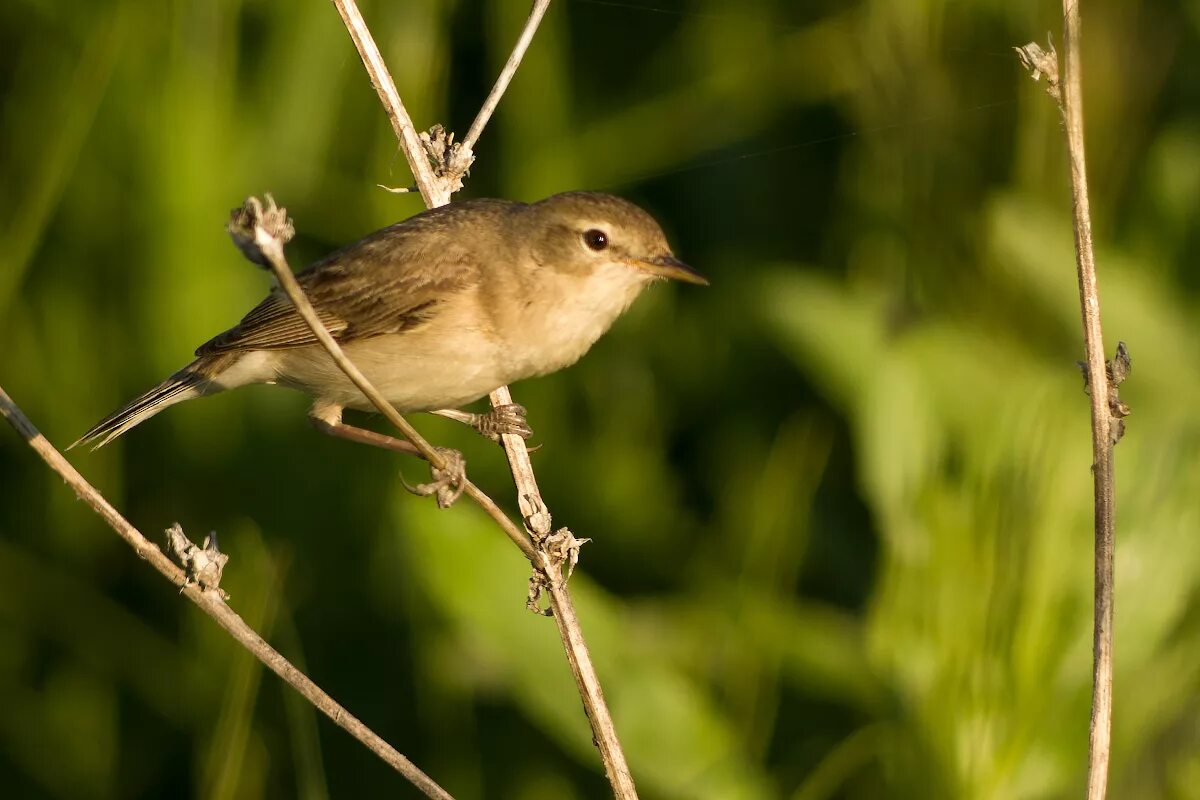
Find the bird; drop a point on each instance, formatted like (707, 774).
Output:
(438, 310)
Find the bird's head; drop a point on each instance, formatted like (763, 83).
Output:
(590, 233)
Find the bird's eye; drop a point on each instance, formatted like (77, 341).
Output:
(595, 239)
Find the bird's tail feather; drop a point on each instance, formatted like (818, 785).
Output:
(192, 381)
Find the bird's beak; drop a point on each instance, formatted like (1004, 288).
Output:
(669, 266)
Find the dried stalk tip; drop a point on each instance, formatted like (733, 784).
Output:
(246, 222)
(538, 521)
(202, 565)
(1116, 370)
(451, 161)
(563, 548)
(1042, 62)
(557, 549)
(538, 583)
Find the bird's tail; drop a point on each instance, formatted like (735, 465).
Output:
(193, 380)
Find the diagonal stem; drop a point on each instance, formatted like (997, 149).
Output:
(603, 729)
(432, 190)
(212, 604)
(506, 75)
(437, 192)
(272, 249)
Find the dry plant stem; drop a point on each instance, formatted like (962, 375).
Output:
(436, 193)
(273, 250)
(1099, 744)
(210, 602)
(506, 75)
(432, 191)
(604, 732)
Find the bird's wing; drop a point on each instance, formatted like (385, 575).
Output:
(390, 282)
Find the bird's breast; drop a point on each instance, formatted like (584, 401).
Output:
(562, 319)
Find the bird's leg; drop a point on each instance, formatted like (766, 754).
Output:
(448, 481)
(505, 419)
(363, 436)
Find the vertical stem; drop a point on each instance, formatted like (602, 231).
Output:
(1100, 739)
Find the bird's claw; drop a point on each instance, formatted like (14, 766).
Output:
(448, 482)
(507, 419)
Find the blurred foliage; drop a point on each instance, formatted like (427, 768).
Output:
(840, 501)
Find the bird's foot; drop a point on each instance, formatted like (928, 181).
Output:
(500, 421)
(448, 482)
(503, 420)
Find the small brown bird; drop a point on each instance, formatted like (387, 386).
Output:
(438, 310)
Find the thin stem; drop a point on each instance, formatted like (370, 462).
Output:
(437, 192)
(1065, 86)
(506, 75)
(210, 603)
(1100, 738)
(272, 249)
(569, 629)
(604, 731)
(432, 190)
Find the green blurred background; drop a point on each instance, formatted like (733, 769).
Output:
(840, 501)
